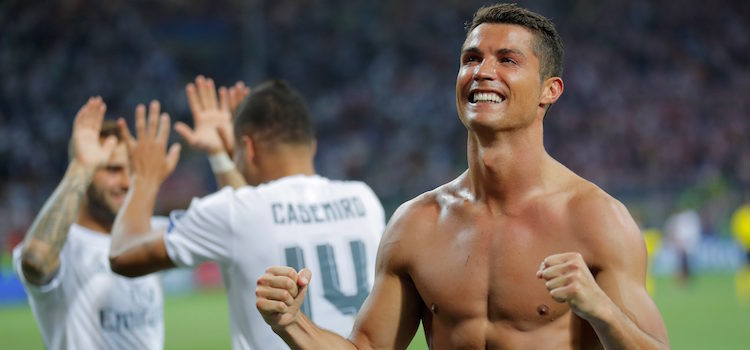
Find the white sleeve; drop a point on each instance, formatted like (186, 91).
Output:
(203, 232)
(48, 290)
(378, 217)
(159, 222)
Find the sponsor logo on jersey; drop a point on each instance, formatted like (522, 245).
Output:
(112, 320)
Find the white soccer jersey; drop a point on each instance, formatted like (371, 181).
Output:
(87, 306)
(331, 227)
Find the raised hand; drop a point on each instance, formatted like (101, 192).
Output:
(569, 280)
(280, 293)
(148, 156)
(210, 115)
(233, 96)
(86, 127)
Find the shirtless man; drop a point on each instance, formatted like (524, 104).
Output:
(518, 252)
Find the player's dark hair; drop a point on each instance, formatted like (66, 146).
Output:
(274, 113)
(547, 44)
(109, 128)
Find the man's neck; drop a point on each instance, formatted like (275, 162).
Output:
(284, 169)
(88, 221)
(507, 167)
(286, 161)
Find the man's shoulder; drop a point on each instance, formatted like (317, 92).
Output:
(588, 199)
(423, 206)
(601, 218)
(422, 212)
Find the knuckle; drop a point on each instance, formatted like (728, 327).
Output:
(280, 307)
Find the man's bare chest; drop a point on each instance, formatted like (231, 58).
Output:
(486, 269)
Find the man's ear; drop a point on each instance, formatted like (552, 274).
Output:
(551, 91)
(249, 146)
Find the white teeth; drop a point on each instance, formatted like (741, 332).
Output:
(487, 97)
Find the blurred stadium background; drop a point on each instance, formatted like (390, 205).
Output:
(655, 112)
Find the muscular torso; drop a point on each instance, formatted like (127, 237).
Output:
(475, 272)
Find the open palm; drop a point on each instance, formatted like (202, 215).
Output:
(209, 116)
(86, 128)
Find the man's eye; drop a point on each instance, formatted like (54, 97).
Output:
(507, 60)
(471, 59)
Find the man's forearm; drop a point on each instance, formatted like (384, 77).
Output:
(231, 178)
(40, 258)
(304, 335)
(225, 171)
(134, 219)
(618, 331)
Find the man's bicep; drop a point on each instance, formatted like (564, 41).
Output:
(204, 232)
(624, 283)
(390, 315)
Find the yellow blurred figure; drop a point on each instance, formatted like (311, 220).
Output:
(740, 222)
(742, 285)
(740, 226)
(652, 237)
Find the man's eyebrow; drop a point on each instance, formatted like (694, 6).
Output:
(115, 165)
(503, 51)
(471, 49)
(509, 51)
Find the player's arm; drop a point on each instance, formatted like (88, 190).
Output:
(213, 132)
(40, 254)
(615, 303)
(387, 320)
(135, 248)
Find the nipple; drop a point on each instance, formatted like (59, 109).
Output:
(542, 310)
(434, 308)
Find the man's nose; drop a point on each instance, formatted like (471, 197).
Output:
(485, 70)
(125, 179)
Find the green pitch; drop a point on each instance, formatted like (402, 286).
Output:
(702, 315)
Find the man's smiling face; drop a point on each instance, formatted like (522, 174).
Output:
(499, 85)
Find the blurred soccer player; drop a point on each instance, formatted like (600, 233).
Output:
(516, 253)
(740, 227)
(63, 261)
(288, 215)
(683, 233)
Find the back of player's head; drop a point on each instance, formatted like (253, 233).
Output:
(109, 128)
(274, 113)
(547, 45)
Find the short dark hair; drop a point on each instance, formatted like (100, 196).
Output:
(547, 43)
(109, 128)
(274, 113)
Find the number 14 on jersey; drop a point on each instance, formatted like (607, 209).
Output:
(346, 304)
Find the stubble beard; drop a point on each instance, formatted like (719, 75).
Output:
(99, 208)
